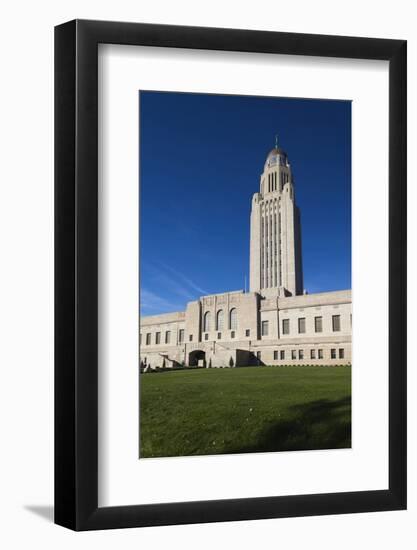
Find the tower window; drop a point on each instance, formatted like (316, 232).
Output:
(285, 326)
(336, 323)
(167, 337)
(301, 325)
(181, 335)
(265, 328)
(318, 324)
(158, 338)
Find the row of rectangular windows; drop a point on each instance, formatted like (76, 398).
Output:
(299, 354)
(318, 327)
(180, 337)
(301, 322)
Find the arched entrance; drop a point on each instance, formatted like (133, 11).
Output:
(197, 358)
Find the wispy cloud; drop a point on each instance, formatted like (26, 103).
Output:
(151, 302)
(167, 289)
(184, 279)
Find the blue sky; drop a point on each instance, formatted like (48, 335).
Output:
(201, 157)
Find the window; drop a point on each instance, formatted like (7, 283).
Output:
(275, 355)
(300, 354)
(293, 354)
(206, 323)
(312, 354)
(219, 336)
(148, 339)
(167, 337)
(341, 353)
(320, 352)
(285, 326)
(181, 335)
(158, 338)
(333, 353)
(232, 334)
(318, 324)
(247, 332)
(233, 319)
(190, 337)
(301, 325)
(336, 323)
(220, 320)
(265, 327)
(258, 355)
(206, 337)
(282, 354)
(140, 339)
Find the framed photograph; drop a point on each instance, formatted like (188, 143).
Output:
(230, 244)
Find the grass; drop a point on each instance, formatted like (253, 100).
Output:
(242, 410)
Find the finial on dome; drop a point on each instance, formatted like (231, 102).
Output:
(276, 141)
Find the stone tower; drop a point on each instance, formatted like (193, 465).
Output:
(275, 234)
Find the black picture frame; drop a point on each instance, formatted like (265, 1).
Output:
(76, 273)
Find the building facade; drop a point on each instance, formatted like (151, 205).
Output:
(276, 322)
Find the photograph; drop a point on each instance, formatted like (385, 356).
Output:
(245, 274)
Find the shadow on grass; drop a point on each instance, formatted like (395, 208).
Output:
(322, 424)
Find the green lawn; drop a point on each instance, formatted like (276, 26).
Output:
(242, 410)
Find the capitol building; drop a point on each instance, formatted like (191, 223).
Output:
(277, 322)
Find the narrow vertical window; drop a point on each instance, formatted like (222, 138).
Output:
(275, 355)
(313, 354)
(285, 326)
(301, 325)
(318, 324)
(167, 337)
(341, 353)
(336, 323)
(233, 319)
(148, 339)
(282, 354)
(158, 338)
(293, 354)
(333, 354)
(320, 352)
(265, 328)
(300, 354)
(206, 322)
(220, 320)
(181, 335)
